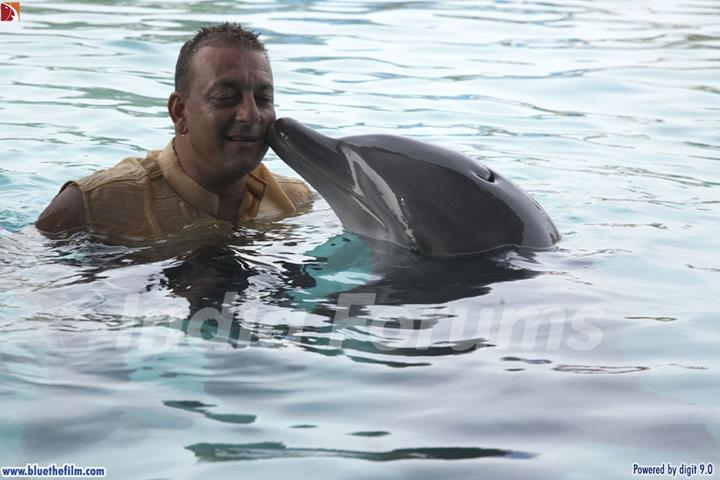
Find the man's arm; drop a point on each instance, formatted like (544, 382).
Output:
(65, 212)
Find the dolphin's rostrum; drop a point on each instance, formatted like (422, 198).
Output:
(416, 195)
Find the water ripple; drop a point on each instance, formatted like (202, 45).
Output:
(215, 452)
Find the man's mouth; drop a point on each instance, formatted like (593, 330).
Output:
(242, 138)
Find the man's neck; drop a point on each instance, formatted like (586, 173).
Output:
(229, 203)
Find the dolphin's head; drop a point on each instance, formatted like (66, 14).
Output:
(419, 196)
(337, 173)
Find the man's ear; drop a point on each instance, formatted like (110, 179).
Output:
(176, 109)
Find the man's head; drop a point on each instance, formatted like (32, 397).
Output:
(223, 104)
(221, 35)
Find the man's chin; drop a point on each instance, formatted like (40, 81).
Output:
(239, 167)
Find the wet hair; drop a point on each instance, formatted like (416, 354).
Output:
(220, 35)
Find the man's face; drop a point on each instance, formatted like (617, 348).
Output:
(228, 110)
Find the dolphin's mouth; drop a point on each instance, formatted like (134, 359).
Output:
(311, 172)
(273, 132)
(340, 189)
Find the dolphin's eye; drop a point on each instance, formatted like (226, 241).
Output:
(284, 136)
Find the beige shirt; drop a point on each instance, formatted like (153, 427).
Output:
(150, 198)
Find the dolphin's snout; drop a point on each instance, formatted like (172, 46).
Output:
(278, 132)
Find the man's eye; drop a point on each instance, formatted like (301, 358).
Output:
(264, 100)
(225, 98)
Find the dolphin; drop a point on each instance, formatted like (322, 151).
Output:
(422, 197)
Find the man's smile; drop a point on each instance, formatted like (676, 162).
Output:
(243, 138)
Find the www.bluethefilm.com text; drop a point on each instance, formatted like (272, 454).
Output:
(52, 470)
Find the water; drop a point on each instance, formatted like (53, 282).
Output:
(332, 359)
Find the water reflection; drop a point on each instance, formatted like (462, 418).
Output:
(199, 407)
(250, 288)
(271, 450)
(395, 276)
(319, 304)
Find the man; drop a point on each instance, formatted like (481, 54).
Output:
(209, 176)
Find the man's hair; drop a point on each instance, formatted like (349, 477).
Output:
(221, 35)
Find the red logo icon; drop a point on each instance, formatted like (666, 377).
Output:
(10, 11)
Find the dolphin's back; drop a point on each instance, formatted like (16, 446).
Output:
(452, 203)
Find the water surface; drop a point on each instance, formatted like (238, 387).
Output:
(293, 348)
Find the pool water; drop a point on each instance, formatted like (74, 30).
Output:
(294, 348)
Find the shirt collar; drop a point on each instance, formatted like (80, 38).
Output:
(200, 198)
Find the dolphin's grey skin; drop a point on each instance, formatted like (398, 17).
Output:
(419, 196)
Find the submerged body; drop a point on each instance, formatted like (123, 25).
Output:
(419, 196)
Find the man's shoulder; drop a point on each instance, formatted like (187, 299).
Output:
(285, 180)
(128, 172)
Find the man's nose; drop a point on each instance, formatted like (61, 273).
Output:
(247, 111)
